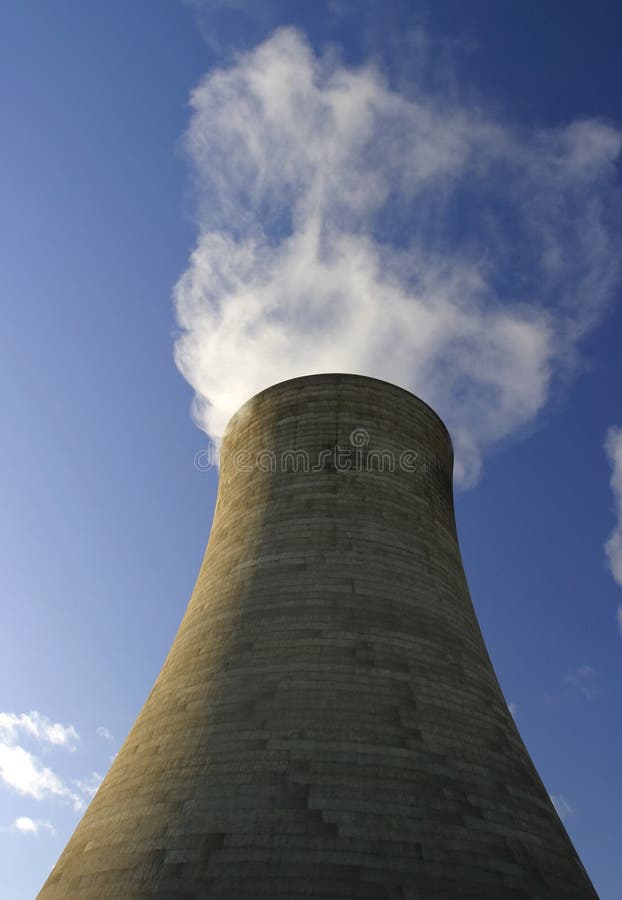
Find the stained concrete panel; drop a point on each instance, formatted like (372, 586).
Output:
(327, 723)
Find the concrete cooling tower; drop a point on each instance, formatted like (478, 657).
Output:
(327, 723)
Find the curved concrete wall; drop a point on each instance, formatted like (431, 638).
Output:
(327, 722)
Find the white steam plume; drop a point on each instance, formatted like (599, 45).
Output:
(344, 226)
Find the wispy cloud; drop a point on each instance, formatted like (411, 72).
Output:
(88, 786)
(613, 547)
(582, 679)
(513, 707)
(21, 769)
(216, 17)
(26, 825)
(346, 226)
(103, 732)
(39, 727)
(562, 806)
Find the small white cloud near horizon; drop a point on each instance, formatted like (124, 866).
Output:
(613, 545)
(513, 707)
(103, 732)
(562, 806)
(346, 226)
(26, 825)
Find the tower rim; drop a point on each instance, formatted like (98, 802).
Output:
(327, 377)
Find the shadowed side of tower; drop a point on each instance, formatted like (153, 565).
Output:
(327, 722)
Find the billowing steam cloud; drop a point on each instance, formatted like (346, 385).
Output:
(344, 226)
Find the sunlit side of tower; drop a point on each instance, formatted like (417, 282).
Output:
(327, 722)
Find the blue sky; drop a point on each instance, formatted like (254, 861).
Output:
(429, 193)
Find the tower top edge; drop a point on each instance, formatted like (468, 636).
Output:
(337, 378)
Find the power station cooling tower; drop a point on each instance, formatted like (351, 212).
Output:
(327, 723)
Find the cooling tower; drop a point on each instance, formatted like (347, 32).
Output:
(327, 723)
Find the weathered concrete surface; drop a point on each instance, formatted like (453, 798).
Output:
(327, 723)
